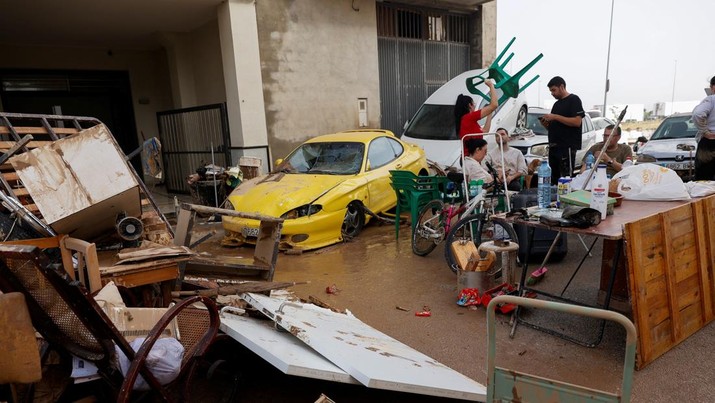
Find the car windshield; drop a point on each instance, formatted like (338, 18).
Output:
(675, 127)
(433, 122)
(532, 122)
(330, 158)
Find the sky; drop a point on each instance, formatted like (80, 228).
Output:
(660, 50)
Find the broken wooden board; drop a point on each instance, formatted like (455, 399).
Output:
(281, 349)
(372, 357)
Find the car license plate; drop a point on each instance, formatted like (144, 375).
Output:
(250, 232)
(677, 166)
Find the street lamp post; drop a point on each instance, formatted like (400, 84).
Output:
(608, 60)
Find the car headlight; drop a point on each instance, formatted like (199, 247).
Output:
(228, 205)
(542, 150)
(644, 158)
(302, 211)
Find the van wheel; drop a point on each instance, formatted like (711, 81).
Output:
(521, 118)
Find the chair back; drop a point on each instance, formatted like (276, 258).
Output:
(61, 309)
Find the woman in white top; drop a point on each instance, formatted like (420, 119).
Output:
(473, 169)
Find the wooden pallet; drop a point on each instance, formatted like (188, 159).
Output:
(44, 130)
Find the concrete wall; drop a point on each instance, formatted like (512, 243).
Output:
(148, 74)
(488, 33)
(317, 58)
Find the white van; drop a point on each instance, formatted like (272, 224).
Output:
(432, 127)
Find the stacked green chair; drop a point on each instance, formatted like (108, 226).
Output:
(413, 192)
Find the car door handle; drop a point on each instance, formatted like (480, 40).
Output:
(398, 166)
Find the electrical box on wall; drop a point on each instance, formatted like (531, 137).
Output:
(362, 112)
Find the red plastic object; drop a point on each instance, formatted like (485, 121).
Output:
(501, 289)
(333, 289)
(423, 313)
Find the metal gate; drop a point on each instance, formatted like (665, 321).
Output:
(419, 51)
(191, 138)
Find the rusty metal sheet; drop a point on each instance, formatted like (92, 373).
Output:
(372, 357)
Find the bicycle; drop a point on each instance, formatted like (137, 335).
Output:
(434, 221)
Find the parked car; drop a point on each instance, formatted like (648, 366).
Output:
(323, 188)
(538, 146)
(432, 127)
(672, 145)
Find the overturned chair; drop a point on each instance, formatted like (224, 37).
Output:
(66, 315)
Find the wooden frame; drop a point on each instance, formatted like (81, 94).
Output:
(671, 275)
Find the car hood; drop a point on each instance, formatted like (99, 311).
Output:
(529, 141)
(667, 148)
(276, 194)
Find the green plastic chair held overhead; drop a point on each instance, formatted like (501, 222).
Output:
(509, 85)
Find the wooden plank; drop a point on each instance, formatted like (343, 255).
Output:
(10, 176)
(281, 349)
(39, 130)
(670, 278)
(638, 283)
(704, 270)
(656, 306)
(144, 277)
(371, 357)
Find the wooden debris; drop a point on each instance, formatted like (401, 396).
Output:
(315, 301)
(249, 286)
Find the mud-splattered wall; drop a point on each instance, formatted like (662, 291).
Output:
(317, 58)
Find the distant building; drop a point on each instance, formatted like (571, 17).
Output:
(635, 112)
(663, 109)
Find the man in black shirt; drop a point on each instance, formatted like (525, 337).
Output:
(564, 125)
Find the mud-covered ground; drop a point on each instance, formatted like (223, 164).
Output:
(375, 274)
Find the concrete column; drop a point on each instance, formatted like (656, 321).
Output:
(238, 32)
(489, 33)
(181, 71)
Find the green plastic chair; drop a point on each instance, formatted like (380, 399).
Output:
(413, 192)
(508, 84)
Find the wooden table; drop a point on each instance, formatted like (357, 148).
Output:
(163, 271)
(670, 260)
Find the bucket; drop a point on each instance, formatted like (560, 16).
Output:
(481, 280)
(506, 258)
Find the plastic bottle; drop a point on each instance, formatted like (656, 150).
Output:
(473, 191)
(628, 162)
(599, 191)
(480, 183)
(590, 160)
(544, 187)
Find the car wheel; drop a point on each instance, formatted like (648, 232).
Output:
(353, 222)
(521, 118)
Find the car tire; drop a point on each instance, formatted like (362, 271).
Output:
(521, 118)
(353, 222)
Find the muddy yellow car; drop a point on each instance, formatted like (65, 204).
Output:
(325, 189)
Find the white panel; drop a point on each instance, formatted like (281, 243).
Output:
(373, 358)
(281, 349)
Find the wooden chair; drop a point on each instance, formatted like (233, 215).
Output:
(64, 312)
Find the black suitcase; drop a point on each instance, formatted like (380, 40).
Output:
(542, 238)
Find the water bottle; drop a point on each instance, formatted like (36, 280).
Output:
(628, 162)
(590, 160)
(473, 190)
(544, 187)
(599, 191)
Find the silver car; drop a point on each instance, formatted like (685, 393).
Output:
(538, 146)
(672, 145)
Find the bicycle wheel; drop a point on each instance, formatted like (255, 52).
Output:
(475, 228)
(429, 230)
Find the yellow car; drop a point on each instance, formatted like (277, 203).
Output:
(323, 188)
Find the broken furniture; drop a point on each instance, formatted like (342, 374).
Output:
(261, 265)
(413, 192)
(20, 362)
(669, 267)
(60, 165)
(508, 385)
(69, 319)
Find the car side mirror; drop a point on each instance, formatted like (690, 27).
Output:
(279, 161)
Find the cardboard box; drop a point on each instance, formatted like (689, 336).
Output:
(138, 322)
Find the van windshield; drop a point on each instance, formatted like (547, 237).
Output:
(433, 122)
